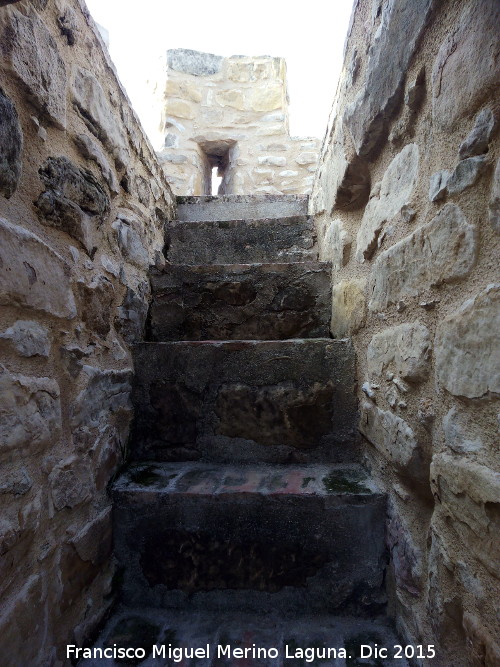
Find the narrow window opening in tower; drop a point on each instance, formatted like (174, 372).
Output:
(217, 175)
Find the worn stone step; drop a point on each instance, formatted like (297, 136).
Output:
(245, 241)
(236, 301)
(244, 400)
(254, 537)
(296, 641)
(240, 207)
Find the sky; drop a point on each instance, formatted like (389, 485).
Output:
(309, 34)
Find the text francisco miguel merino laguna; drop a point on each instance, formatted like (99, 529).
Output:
(254, 652)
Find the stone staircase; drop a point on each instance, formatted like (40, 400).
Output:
(243, 516)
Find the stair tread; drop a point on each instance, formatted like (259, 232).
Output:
(210, 479)
(282, 219)
(244, 266)
(225, 206)
(243, 342)
(186, 630)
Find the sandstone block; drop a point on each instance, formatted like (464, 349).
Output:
(272, 160)
(179, 109)
(30, 339)
(396, 189)
(68, 23)
(73, 201)
(90, 100)
(468, 347)
(183, 90)
(306, 158)
(231, 98)
(438, 185)
(442, 251)
(406, 556)
(71, 483)
(348, 307)
(336, 245)
(390, 53)
(469, 493)
(96, 300)
(466, 173)
(130, 241)
(347, 185)
(30, 415)
(266, 98)
(91, 150)
(394, 439)
(476, 142)
(11, 146)
(403, 350)
(461, 436)
(105, 395)
(32, 53)
(32, 274)
(472, 47)
(131, 315)
(494, 205)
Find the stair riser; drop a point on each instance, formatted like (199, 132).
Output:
(252, 302)
(240, 207)
(248, 552)
(241, 241)
(237, 401)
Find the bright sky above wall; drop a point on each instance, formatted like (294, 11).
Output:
(310, 34)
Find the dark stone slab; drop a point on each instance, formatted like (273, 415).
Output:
(73, 200)
(289, 239)
(378, 101)
(11, 145)
(185, 630)
(313, 534)
(194, 62)
(241, 400)
(259, 301)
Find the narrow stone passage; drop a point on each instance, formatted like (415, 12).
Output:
(244, 517)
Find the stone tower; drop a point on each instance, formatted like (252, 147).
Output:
(231, 114)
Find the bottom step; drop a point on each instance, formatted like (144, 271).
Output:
(168, 638)
(254, 537)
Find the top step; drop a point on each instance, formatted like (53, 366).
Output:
(240, 207)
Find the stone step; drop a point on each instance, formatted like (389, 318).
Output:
(306, 638)
(264, 240)
(272, 401)
(258, 537)
(236, 301)
(240, 207)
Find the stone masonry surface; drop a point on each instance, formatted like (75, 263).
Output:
(230, 114)
(405, 212)
(406, 207)
(83, 202)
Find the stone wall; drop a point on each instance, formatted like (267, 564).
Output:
(231, 113)
(83, 201)
(407, 202)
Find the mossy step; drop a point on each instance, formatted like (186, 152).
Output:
(211, 479)
(228, 639)
(252, 537)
